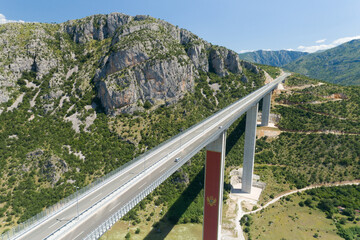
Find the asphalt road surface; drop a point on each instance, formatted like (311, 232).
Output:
(182, 146)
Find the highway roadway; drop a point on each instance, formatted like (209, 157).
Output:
(97, 206)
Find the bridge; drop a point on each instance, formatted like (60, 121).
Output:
(91, 212)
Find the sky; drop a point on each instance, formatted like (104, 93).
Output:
(301, 25)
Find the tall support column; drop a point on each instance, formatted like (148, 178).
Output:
(249, 148)
(265, 116)
(214, 184)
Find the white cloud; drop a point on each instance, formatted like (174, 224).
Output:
(4, 20)
(345, 39)
(246, 50)
(321, 40)
(315, 48)
(335, 43)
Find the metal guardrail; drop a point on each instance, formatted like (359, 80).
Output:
(71, 199)
(100, 230)
(98, 203)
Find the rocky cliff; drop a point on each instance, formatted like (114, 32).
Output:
(58, 80)
(130, 60)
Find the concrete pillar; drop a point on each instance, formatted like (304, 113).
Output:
(265, 116)
(214, 184)
(249, 149)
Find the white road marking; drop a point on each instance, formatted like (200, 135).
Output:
(230, 111)
(114, 206)
(95, 196)
(53, 224)
(142, 185)
(79, 234)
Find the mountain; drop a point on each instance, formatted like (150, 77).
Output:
(81, 98)
(130, 60)
(340, 65)
(272, 58)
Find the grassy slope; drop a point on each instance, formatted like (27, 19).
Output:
(315, 211)
(286, 220)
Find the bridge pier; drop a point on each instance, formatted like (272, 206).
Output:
(265, 115)
(214, 184)
(249, 148)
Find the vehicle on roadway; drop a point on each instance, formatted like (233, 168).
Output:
(177, 159)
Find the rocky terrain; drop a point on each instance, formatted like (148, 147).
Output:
(81, 98)
(130, 60)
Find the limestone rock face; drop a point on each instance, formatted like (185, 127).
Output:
(251, 67)
(152, 80)
(217, 63)
(152, 60)
(53, 168)
(122, 59)
(223, 60)
(197, 54)
(97, 27)
(129, 60)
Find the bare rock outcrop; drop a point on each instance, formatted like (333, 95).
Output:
(223, 60)
(96, 27)
(53, 168)
(151, 80)
(129, 59)
(251, 67)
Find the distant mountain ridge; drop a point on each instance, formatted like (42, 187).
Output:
(340, 65)
(272, 58)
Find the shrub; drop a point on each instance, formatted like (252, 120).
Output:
(147, 105)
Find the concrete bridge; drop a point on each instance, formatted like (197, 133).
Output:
(91, 212)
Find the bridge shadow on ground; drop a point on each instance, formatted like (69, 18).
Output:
(162, 228)
(175, 212)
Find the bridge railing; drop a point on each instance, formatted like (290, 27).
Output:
(71, 199)
(100, 230)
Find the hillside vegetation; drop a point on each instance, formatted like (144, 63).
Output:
(320, 137)
(338, 65)
(81, 98)
(319, 144)
(272, 58)
(295, 159)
